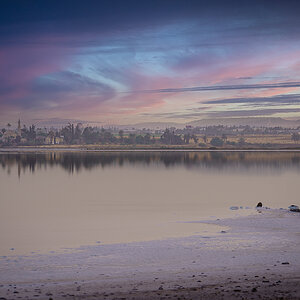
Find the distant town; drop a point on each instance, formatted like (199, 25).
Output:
(217, 136)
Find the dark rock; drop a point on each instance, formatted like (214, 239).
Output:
(285, 263)
(294, 208)
(259, 204)
(234, 207)
(254, 290)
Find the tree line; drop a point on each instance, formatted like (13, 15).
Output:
(77, 134)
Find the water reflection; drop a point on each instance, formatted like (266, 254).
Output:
(74, 162)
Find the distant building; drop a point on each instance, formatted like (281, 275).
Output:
(19, 128)
(10, 134)
(54, 140)
(49, 140)
(58, 140)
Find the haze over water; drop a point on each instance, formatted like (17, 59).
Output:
(53, 201)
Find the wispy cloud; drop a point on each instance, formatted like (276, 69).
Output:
(278, 99)
(251, 113)
(223, 87)
(233, 113)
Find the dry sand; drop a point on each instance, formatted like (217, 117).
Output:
(257, 257)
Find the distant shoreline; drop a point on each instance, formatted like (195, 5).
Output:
(92, 148)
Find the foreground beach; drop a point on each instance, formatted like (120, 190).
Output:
(253, 257)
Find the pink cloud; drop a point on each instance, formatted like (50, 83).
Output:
(20, 65)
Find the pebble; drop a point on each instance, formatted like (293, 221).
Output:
(234, 207)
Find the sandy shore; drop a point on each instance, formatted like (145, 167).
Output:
(256, 257)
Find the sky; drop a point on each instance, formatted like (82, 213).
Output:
(126, 62)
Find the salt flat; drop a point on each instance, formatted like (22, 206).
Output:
(251, 257)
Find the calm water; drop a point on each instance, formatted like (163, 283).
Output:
(59, 200)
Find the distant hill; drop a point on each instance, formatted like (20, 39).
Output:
(56, 122)
(251, 121)
(152, 125)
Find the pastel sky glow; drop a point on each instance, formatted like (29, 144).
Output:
(126, 62)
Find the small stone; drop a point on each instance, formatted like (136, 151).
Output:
(294, 208)
(234, 207)
(285, 263)
(254, 290)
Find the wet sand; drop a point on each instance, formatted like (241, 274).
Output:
(256, 257)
